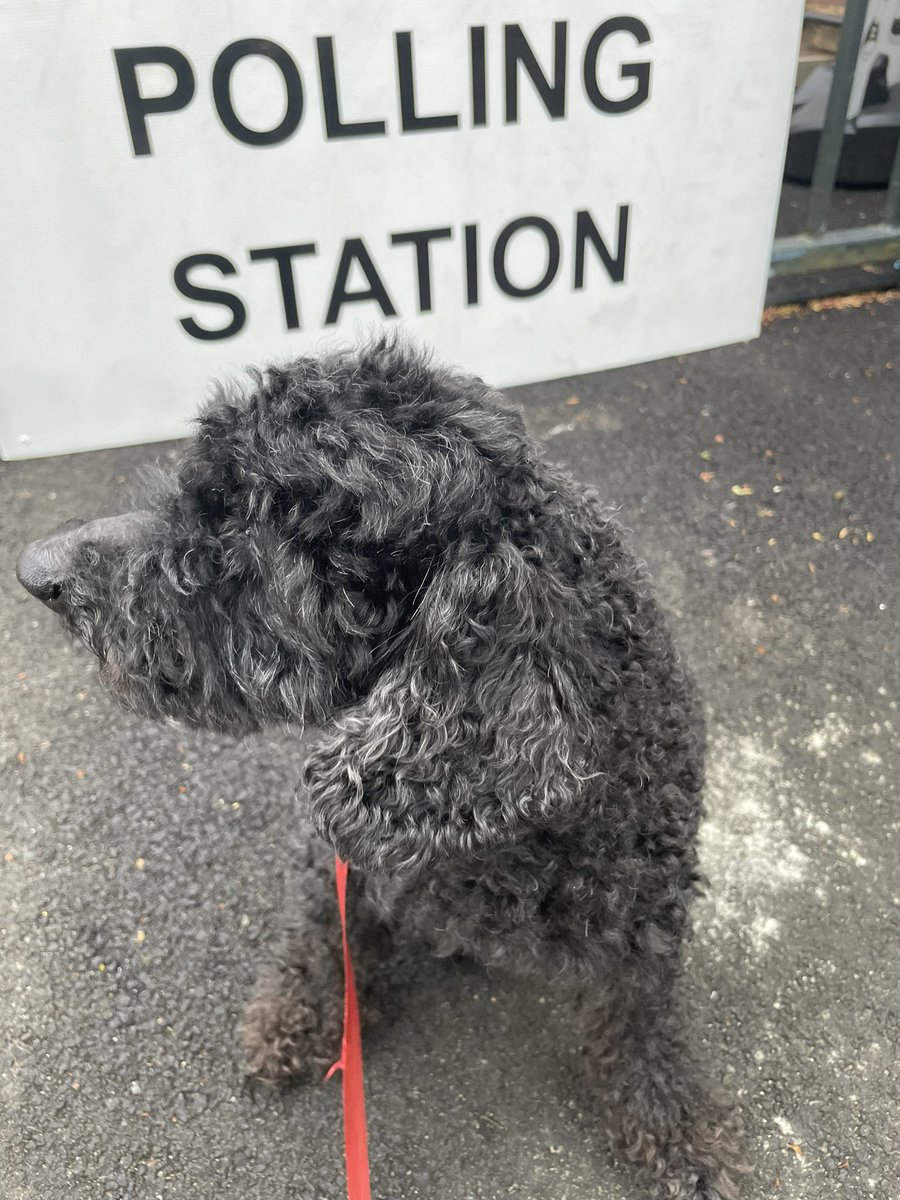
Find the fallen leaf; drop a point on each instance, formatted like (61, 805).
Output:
(855, 300)
(818, 537)
(719, 439)
(741, 489)
(780, 311)
(707, 476)
(573, 400)
(797, 1148)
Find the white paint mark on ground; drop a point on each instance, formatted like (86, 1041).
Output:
(764, 930)
(830, 735)
(747, 846)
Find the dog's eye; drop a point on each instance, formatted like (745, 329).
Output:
(211, 503)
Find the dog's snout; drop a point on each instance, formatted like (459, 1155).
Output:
(44, 566)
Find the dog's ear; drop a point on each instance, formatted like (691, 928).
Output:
(474, 730)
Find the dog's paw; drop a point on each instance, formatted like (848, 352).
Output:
(285, 1038)
(701, 1159)
(710, 1166)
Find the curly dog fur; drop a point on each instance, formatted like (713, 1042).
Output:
(512, 753)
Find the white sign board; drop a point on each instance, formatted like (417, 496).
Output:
(537, 192)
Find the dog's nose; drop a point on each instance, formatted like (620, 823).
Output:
(45, 565)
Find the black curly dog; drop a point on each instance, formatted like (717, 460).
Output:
(512, 751)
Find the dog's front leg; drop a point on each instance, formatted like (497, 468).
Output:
(660, 1113)
(292, 1026)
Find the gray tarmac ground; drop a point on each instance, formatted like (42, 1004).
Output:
(139, 866)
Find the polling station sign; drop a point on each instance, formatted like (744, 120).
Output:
(535, 190)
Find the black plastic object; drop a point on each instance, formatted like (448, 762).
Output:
(870, 138)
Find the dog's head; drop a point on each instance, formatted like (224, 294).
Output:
(275, 572)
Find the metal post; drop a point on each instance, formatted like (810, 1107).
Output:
(832, 137)
(892, 203)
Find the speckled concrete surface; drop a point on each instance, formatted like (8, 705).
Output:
(139, 866)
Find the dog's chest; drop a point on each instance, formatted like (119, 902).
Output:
(515, 910)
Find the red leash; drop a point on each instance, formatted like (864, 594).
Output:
(356, 1153)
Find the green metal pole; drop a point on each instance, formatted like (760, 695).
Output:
(892, 203)
(832, 137)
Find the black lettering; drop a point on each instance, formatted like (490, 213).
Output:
(283, 257)
(209, 296)
(471, 232)
(500, 246)
(354, 250)
(137, 106)
(334, 126)
(422, 239)
(293, 91)
(639, 71)
(585, 230)
(479, 75)
(410, 121)
(517, 50)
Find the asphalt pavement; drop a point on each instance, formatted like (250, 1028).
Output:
(139, 866)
